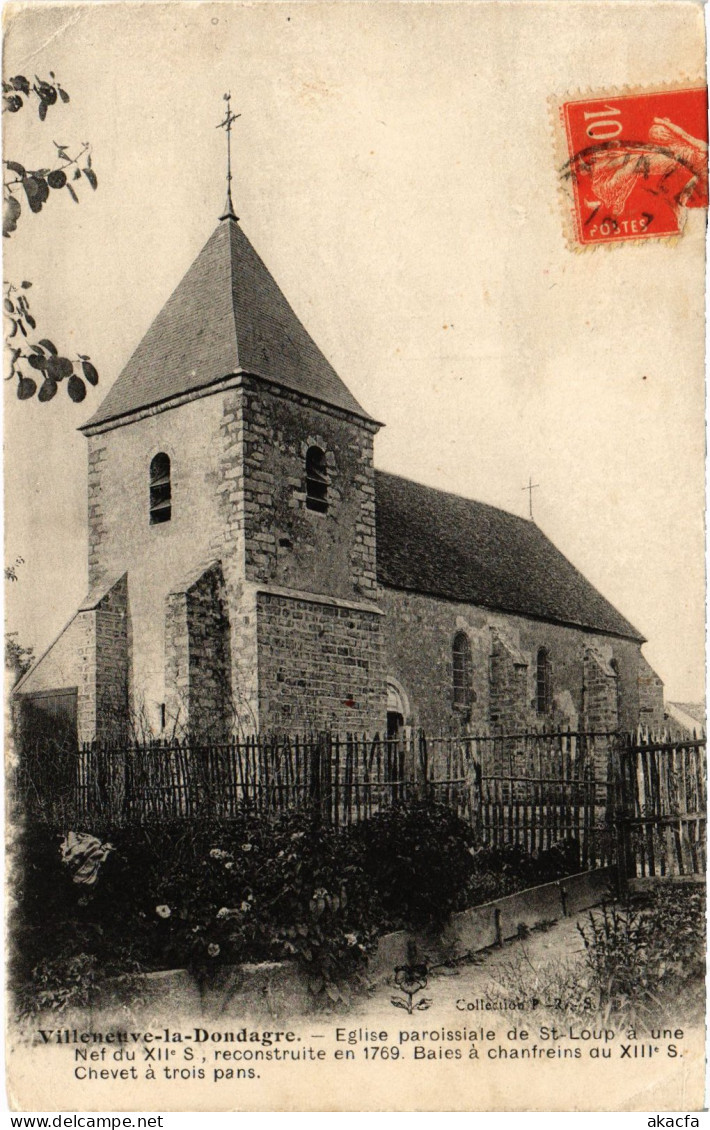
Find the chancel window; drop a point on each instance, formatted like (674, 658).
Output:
(544, 682)
(316, 480)
(463, 690)
(160, 490)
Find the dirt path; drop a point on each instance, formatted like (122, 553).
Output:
(546, 967)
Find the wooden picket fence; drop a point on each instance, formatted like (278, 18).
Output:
(633, 797)
(343, 780)
(536, 789)
(661, 805)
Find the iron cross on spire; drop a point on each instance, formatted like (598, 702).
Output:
(530, 488)
(229, 213)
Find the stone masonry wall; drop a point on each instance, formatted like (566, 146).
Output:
(418, 633)
(197, 658)
(651, 710)
(238, 495)
(157, 558)
(91, 654)
(112, 662)
(320, 665)
(509, 708)
(284, 542)
(70, 662)
(177, 663)
(210, 679)
(96, 501)
(601, 692)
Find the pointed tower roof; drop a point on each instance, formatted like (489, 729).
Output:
(227, 316)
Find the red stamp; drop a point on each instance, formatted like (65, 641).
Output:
(634, 163)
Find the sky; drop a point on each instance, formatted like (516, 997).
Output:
(395, 168)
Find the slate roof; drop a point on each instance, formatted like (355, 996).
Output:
(226, 316)
(441, 544)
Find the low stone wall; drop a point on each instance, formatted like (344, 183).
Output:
(495, 922)
(267, 989)
(272, 989)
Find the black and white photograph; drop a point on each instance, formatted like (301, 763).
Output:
(354, 468)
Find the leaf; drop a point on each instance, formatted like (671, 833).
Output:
(33, 191)
(333, 993)
(91, 177)
(76, 389)
(57, 178)
(10, 214)
(77, 174)
(16, 167)
(23, 331)
(59, 368)
(63, 94)
(47, 391)
(30, 321)
(19, 82)
(13, 331)
(37, 361)
(48, 345)
(72, 193)
(45, 90)
(26, 387)
(90, 372)
(42, 115)
(9, 306)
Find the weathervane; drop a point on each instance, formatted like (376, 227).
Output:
(530, 488)
(229, 213)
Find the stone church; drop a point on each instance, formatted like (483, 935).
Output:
(250, 569)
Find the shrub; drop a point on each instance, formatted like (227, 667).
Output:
(509, 868)
(419, 860)
(641, 955)
(177, 894)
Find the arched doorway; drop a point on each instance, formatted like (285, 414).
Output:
(397, 709)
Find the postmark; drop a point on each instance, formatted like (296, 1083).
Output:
(631, 164)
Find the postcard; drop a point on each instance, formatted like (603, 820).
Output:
(354, 555)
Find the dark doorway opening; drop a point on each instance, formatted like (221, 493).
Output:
(395, 724)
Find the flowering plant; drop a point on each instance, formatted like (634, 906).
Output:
(411, 979)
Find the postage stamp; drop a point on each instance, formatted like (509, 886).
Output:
(633, 163)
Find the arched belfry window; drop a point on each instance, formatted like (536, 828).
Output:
(160, 494)
(316, 480)
(544, 682)
(463, 689)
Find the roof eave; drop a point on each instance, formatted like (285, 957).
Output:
(120, 419)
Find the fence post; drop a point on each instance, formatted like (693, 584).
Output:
(314, 777)
(474, 786)
(619, 814)
(326, 784)
(421, 769)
